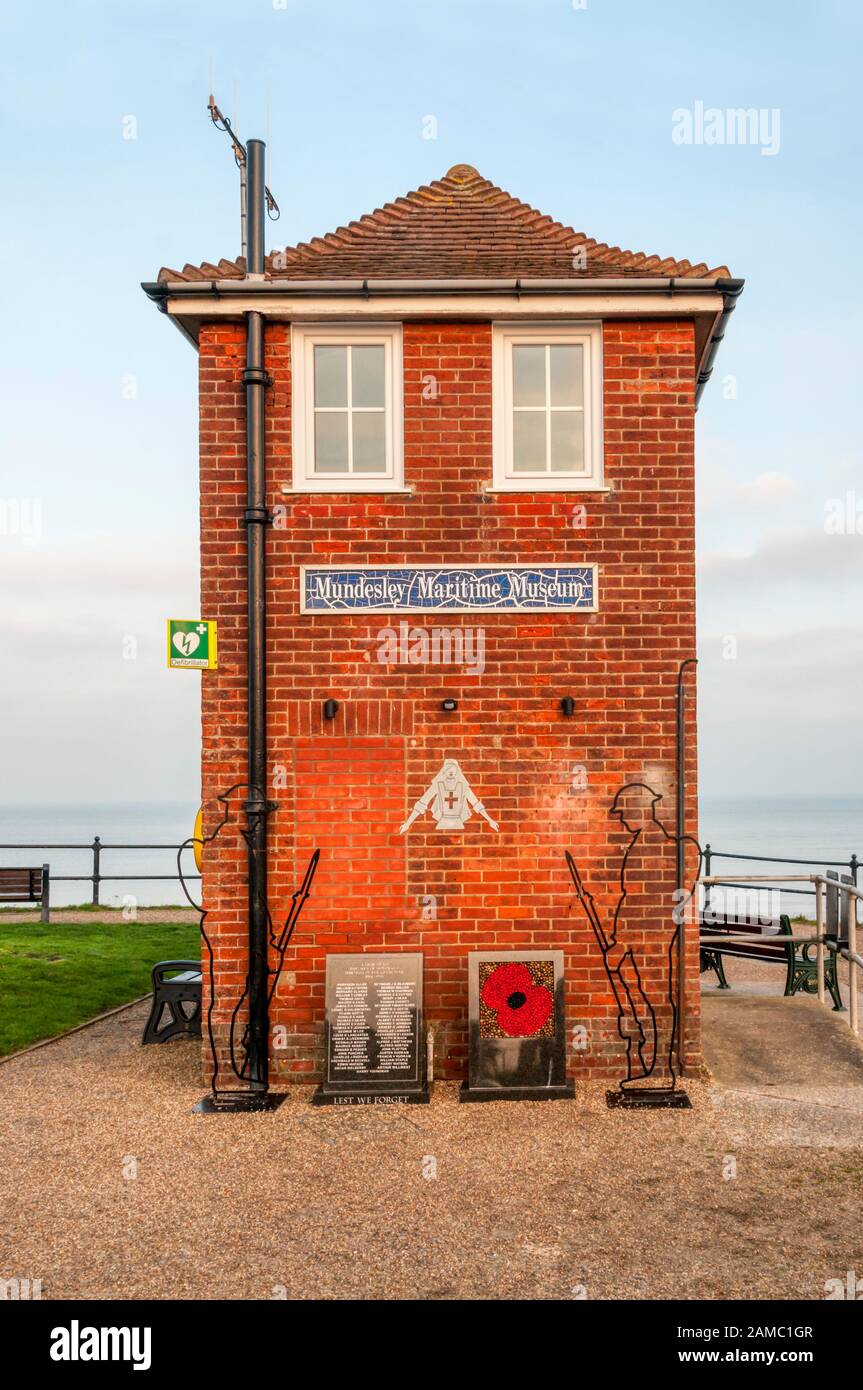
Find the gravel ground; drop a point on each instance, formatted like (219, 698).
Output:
(105, 914)
(499, 1201)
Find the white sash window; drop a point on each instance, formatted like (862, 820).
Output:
(347, 409)
(547, 390)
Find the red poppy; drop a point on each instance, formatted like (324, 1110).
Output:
(522, 1007)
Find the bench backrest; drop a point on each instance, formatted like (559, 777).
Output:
(772, 946)
(21, 885)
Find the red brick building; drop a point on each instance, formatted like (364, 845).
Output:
(456, 381)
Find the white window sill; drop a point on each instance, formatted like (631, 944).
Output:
(537, 486)
(343, 489)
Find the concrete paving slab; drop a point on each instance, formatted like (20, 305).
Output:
(786, 1072)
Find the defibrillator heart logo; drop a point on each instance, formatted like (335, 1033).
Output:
(186, 642)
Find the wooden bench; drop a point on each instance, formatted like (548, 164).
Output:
(27, 886)
(176, 983)
(800, 962)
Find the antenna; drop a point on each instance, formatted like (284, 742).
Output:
(273, 211)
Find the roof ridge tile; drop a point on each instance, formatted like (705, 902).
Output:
(459, 224)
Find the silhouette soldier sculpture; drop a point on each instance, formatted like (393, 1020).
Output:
(648, 1027)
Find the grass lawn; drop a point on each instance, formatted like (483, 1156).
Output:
(55, 976)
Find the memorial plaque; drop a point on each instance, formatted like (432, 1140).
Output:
(517, 1034)
(374, 1031)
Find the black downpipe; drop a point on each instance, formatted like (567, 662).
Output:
(680, 831)
(731, 292)
(255, 518)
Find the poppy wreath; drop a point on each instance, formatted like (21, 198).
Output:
(521, 1006)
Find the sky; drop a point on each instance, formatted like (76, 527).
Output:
(113, 169)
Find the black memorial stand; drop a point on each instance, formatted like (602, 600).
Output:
(375, 1052)
(517, 1029)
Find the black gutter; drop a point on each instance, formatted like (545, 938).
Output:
(255, 518)
(160, 290)
(159, 301)
(731, 291)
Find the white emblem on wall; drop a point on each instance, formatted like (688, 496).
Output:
(450, 800)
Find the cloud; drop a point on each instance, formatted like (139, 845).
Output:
(788, 556)
(723, 483)
(785, 715)
(767, 490)
(108, 720)
(96, 569)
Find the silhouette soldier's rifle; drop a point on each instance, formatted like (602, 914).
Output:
(280, 945)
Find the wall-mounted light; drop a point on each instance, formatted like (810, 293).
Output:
(331, 709)
(567, 704)
(449, 705)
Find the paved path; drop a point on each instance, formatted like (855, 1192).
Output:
(794, 1058)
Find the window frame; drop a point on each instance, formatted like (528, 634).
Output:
(304, 339)
(505, 336)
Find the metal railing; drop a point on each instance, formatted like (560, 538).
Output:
(852, 865)
(847, 949)
(96, 877)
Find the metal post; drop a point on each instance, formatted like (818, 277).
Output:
(97, 860)
(708, 859)
(819, 922)
(46, 892)
(255, 518)
(680, 830)
(852, 968)
(244, 238)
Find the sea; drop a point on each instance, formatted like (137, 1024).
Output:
(49, 831)
(818, 830)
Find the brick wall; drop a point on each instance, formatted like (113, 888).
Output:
(346, 785)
